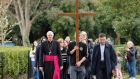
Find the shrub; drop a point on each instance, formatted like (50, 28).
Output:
(15, 61)
(120, 49)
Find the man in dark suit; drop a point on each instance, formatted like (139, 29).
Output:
(37, 58)
(104, 59)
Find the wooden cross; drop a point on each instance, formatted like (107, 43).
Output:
(77, 14)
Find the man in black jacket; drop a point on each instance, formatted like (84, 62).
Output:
(104, 59)
(37, 58)
(84, 39)
(77, 69)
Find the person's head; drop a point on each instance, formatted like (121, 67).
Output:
(34, 45)
(130, 44)
(61, 42)
(66, 44)
(83, 34)
(50, 35)
(108, 39)
(43, 39)
(102, 38)
(90, 40)
(67, 39)
(96, 41)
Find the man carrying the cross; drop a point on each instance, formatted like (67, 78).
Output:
(77, 69)
(50, 60)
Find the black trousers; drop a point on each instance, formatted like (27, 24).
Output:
(88, 72)
(101, 73)
(40, 75)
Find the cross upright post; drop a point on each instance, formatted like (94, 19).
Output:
(77, 14)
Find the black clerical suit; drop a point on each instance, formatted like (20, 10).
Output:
(49, 58)
(103, 69)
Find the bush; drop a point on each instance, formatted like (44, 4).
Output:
(120, 49)
(15, 61)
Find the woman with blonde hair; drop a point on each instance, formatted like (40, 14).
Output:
(131, 59)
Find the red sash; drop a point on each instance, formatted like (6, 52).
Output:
(56, 74)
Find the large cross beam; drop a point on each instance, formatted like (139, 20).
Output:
(77, 14)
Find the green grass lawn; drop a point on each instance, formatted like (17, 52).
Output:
(126, 76)
(138, 76)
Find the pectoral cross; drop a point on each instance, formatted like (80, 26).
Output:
(77, 14)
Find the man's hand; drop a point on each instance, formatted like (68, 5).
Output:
(127, 49)
(35, 68)
(78, 64)
(76, 47)
(93, 77)
(61, 67)
(41, 69)
(114, 72)
(125, 57)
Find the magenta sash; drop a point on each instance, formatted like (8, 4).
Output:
(56, 74)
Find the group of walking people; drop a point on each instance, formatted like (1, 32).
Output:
(56, 59)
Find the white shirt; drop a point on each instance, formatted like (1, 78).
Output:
(32, 56)
(102, 49)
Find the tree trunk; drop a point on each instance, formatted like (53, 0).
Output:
(25, 39)
(25, 32)
(25, 17)
(2, 38)
(118, 39)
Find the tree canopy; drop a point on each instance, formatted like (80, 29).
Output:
(113, 17)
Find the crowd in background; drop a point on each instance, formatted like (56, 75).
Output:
(97, 59)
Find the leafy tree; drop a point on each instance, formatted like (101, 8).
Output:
(127, 18)
(65, 25)
(113, 17)
(26, 11)
(122, 16)
(5, 28)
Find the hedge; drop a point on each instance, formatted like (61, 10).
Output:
(120, 49)
(15, 61)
